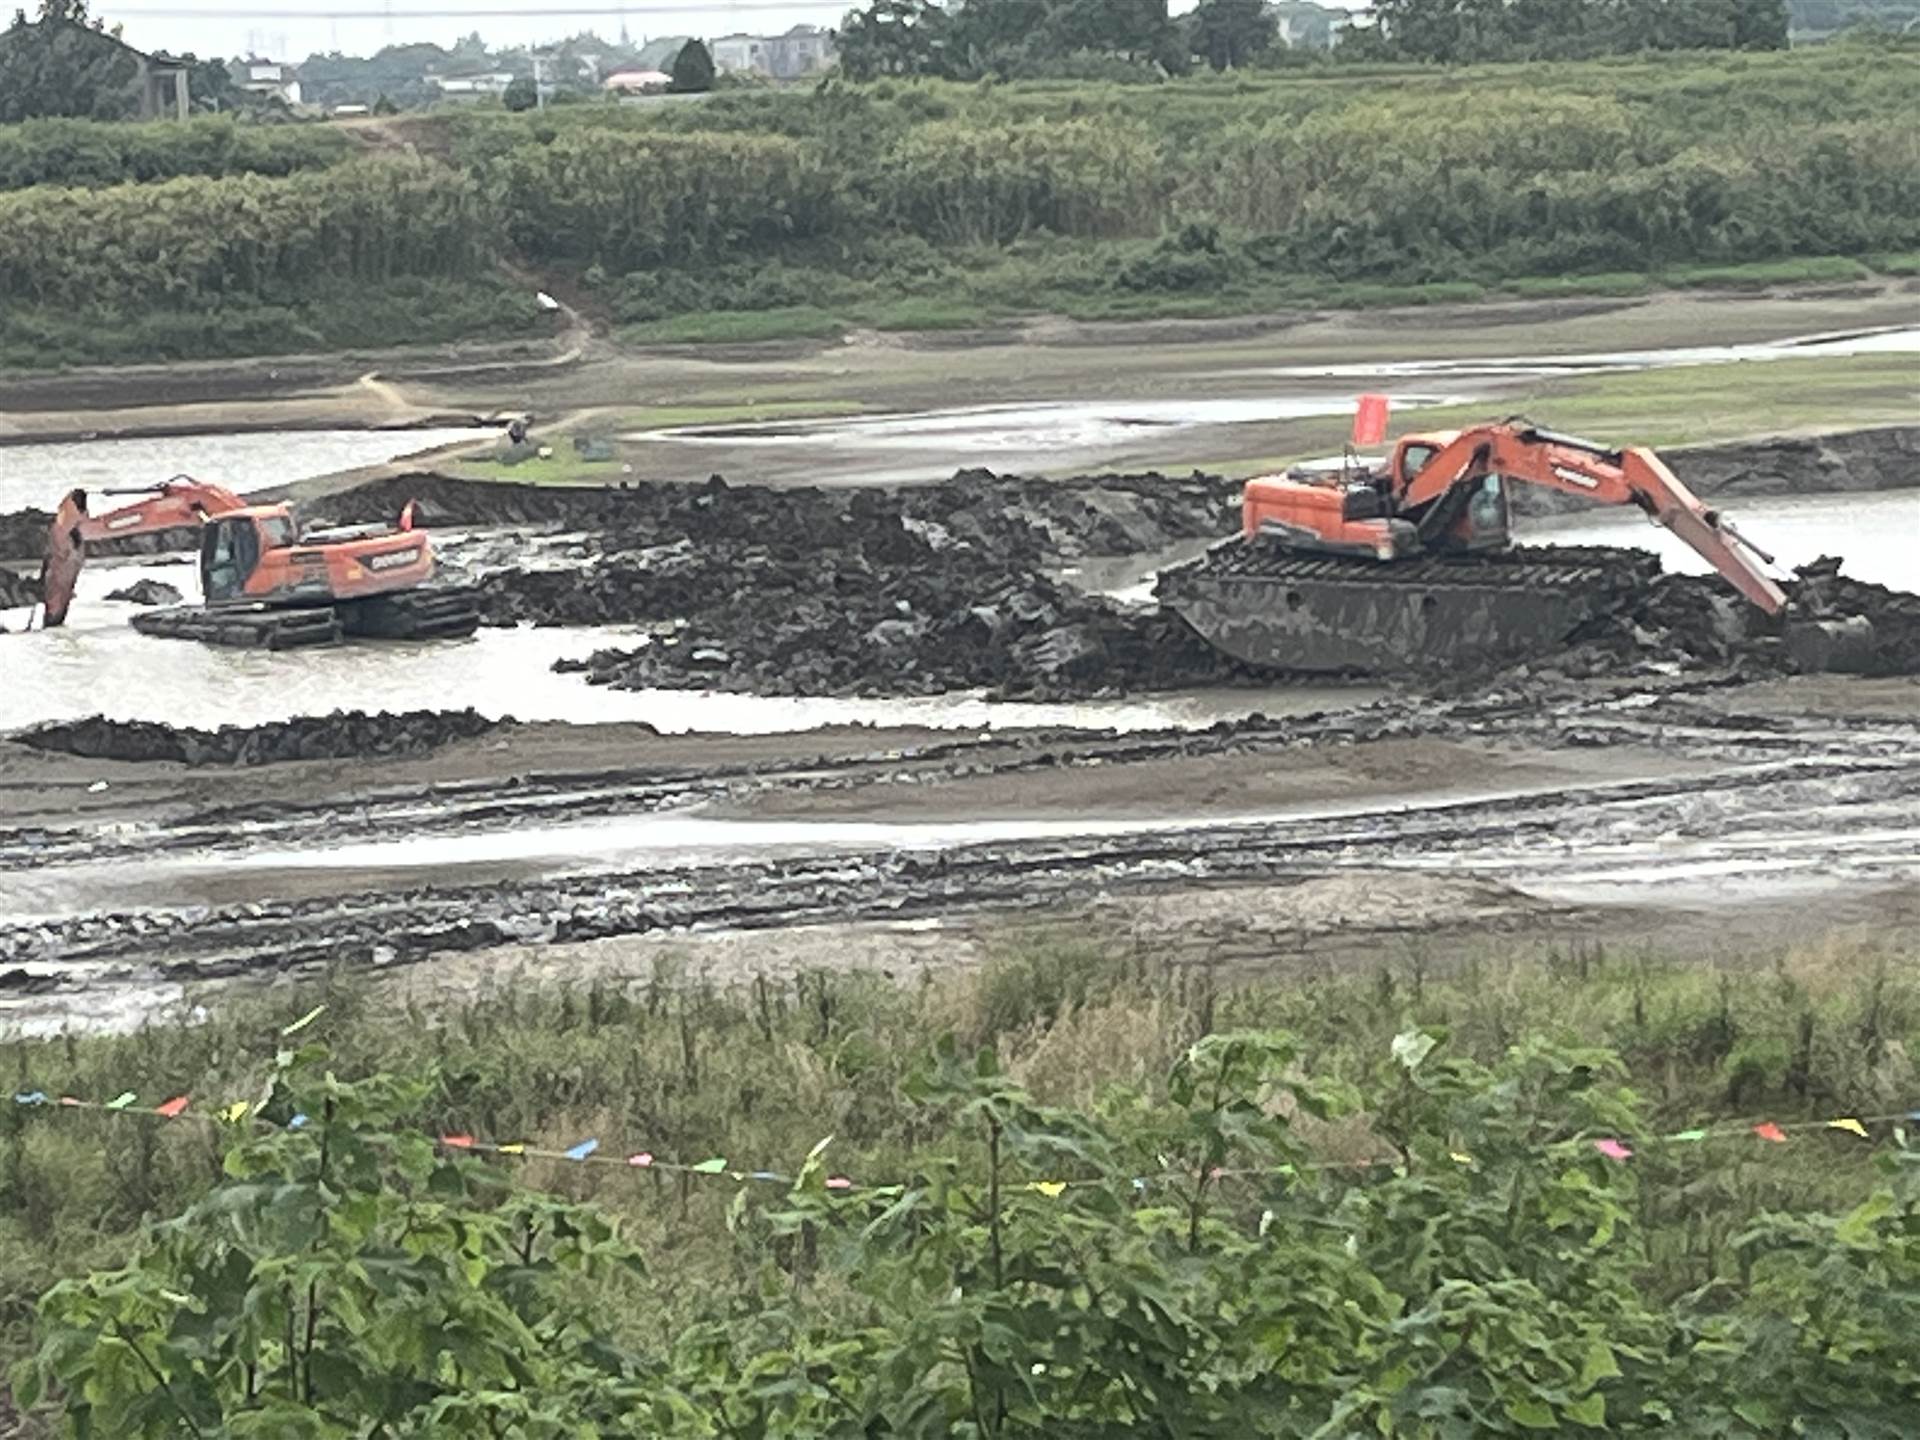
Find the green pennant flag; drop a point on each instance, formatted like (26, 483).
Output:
(1688, 1135)
(122, 1100)
(715, 1166)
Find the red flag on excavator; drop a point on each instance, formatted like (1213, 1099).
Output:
(406, 516)
(1370, 420)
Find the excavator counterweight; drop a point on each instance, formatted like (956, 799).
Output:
(1410, 564)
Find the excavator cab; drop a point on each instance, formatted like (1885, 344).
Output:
(229, 554)
(1472, 515)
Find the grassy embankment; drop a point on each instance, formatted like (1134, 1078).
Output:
(934, 206)
(757, 1075)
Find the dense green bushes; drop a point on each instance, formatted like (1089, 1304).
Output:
(1134, 1212)
(633, 201)
(1200, 196)
(86, 152)
(184, 241)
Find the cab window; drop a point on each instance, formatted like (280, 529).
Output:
(1414, 459)
(276, 532)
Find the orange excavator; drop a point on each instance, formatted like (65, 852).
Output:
(263, 582)
(1410, 563)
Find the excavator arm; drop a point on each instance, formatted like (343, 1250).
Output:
(176, 504)
(1633, 475)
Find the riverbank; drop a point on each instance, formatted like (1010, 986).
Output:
(600, 387)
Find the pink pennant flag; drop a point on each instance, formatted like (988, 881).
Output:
(1613, 1149)
(839, 1182)
(172, 1108)
(642, 1160)
(457, 1142)
(1770, 1131)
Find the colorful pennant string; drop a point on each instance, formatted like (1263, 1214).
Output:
(587, 1151)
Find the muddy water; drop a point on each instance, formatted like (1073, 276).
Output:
(1877, 535)
(98, 664)
(35, 476)
(1056, 437)
(1896, 340)
(1062, 437)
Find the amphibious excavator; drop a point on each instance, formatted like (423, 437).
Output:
(262, 581)
(1386, 567)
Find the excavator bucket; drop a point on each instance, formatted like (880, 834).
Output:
(1277, 609)
(66, 553)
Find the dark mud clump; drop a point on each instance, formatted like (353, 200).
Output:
(867, 601)
(1026, 518)
(345, 734)
(147, 592)
(17, 590)
(1696, 624)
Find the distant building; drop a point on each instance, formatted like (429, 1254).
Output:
(471, 87)
(156, 85)
(660, 54)
(266, 78)
(636, 82)
(803, 50)
(1307, 26)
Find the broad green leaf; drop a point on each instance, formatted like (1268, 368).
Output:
(1533, 1414)
(1411, 1047)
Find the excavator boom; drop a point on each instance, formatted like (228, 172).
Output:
(1630, 476)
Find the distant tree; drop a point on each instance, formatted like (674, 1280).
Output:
(520, 94)
(1227, 34)
(385, 106)
(692, 69)
(897, 37)
(64, 64)
(211, 85)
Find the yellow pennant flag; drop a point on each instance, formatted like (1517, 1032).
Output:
(235, 1112)
(1049, 1188)
(1848, 1124)
(514, 1149)
(1460, 1157)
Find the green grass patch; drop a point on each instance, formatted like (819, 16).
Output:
(1816, 269)
(1547, 287)
(738, 327)
(924, 312)
(1903, 263)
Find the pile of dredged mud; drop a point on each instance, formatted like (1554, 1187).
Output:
(345, 734)
(922, 590)
(857, 592)
(1022, 517)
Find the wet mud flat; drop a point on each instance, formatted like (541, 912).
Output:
(1602, 812)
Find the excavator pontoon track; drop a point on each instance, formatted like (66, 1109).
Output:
(429, 613)
(1282, 609)
(243, 627)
